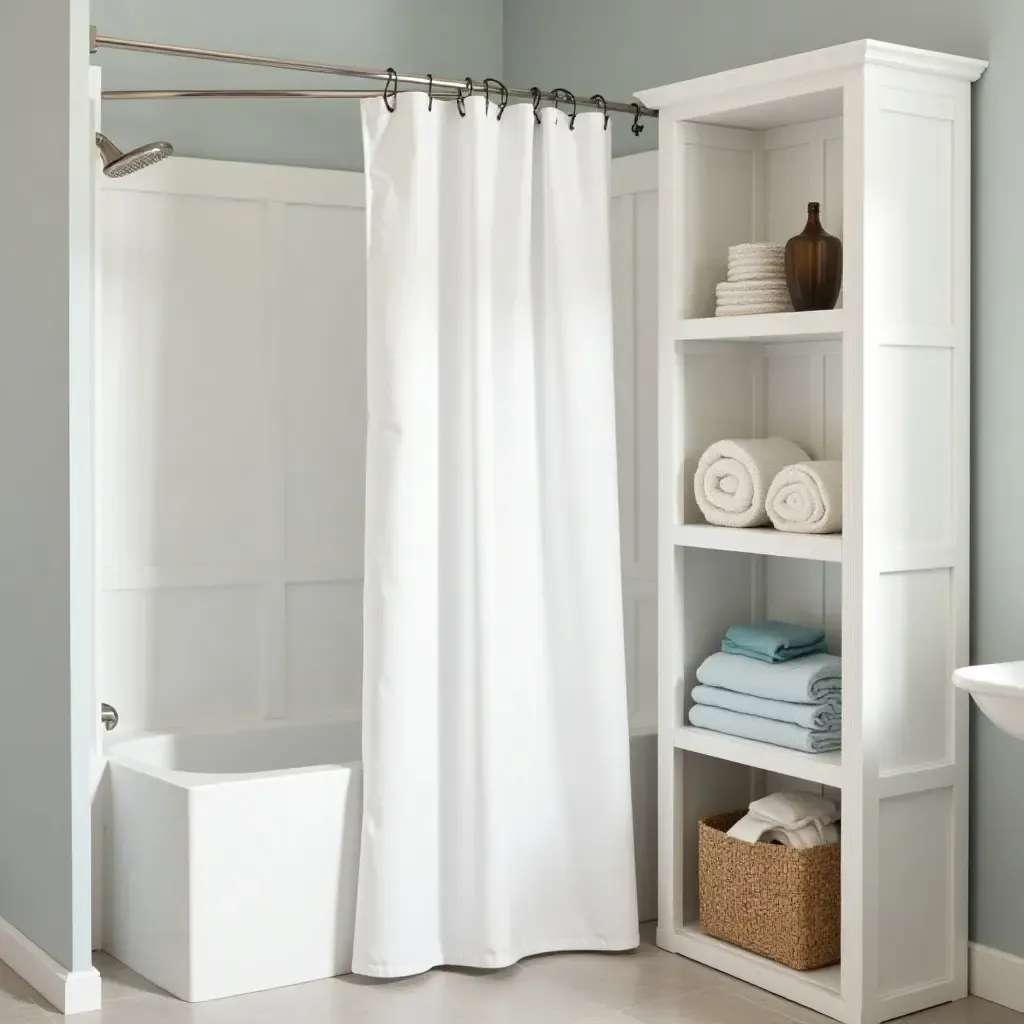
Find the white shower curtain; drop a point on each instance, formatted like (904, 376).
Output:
(497, 817)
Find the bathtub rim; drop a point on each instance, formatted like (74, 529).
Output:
(185, 779)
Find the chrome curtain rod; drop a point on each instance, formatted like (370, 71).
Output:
(259, 94)
(99, 42)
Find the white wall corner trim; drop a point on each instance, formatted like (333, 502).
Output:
(996, 976)
(69, 991)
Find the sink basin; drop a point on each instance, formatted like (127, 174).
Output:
(999, 691)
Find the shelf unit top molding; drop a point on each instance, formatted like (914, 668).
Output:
(815, 62)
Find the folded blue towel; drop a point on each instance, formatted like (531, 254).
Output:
(773, 641)
(782, 734)
(822, 717)
(814, 679)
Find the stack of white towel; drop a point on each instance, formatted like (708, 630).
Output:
(800, 820)
(756, 281)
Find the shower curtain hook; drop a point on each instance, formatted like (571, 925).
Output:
(537, 97)
(569, 98)
(430, 92)
(392, 84)
(601, 102)
(637, 126)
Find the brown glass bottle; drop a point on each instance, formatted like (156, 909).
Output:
(814, 265)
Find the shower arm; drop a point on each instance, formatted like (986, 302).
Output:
(388, 76)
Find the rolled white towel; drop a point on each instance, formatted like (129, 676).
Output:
(807, 498)
(732, 479)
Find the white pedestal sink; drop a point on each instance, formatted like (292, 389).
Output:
(998, 691)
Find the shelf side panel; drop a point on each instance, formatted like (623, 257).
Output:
(915, 504)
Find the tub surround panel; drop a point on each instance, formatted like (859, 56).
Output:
(231, 353)
(232, 397)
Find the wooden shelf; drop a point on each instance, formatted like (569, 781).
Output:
(819, 990)
(825, 769)
(817, 325)
(762, 540)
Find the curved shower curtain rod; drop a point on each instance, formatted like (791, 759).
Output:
(455, 87)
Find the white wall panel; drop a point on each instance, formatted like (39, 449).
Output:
(914, 401)
(915, 890)
(916, 143)
(232, 397)
(323, 333)
(803, 163)
(182, 379)
(915, 712)
(324, 647)
(182, 656)
(232, 440)
(634, 300)
(719, 198)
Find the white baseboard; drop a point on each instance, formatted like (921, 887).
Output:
(996, 976)
(69, 991)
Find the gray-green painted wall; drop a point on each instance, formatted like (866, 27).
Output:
(46, 711)
(443, 37)
(617, 47)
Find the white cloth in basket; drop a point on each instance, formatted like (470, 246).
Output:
(800, 820)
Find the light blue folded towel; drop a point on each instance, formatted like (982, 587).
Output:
(782, 734)
(822, 717)
(773, 641)
(814, 679)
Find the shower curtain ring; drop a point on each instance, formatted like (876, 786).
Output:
(569, 98)
(537, 97)
(460, 100)
(487, 95)
(599, 101)
(637, 126)
(430, 92)
(392, 85)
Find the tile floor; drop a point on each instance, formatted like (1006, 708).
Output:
(645, 987)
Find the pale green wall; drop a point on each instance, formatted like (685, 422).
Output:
(443, 37)
(616, 48)
(46, 711)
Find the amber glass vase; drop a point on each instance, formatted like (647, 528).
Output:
(814, 265)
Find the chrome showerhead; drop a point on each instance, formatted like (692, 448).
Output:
(117, 164)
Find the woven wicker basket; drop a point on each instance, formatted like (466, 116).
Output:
(773, 900)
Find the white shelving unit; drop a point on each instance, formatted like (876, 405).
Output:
(880, 136)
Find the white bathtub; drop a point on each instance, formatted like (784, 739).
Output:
(231, 856)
